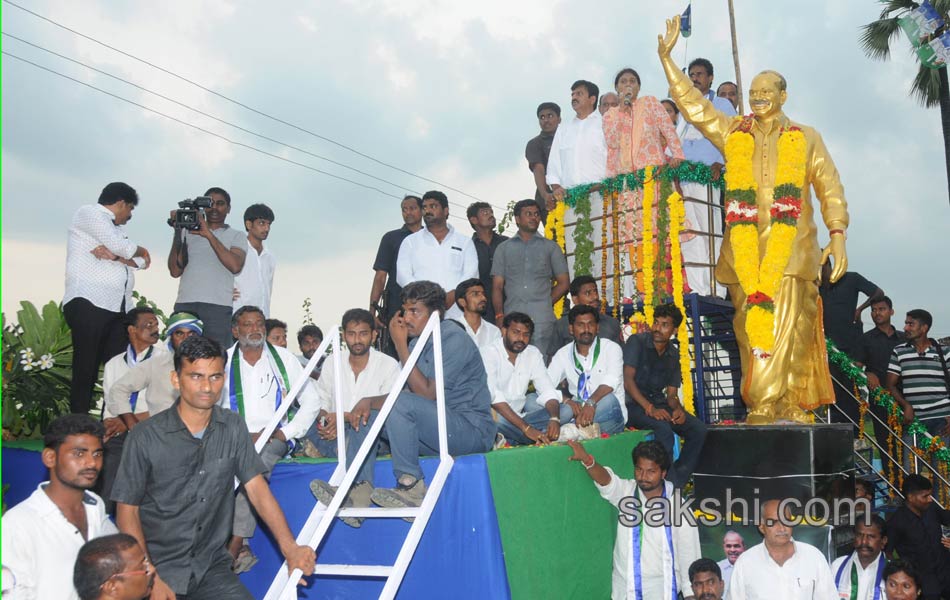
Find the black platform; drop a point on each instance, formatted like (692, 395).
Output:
(777, 461)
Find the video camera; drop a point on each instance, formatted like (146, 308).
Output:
(186, 217)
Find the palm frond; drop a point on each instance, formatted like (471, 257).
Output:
(876, 37)
(926, 87)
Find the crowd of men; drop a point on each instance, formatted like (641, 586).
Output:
(183, 412)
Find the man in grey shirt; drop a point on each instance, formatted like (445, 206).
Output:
(206, 260)
(522, 272)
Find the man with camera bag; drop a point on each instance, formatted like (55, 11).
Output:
(207, 253)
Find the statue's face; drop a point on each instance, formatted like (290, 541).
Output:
(766, 96)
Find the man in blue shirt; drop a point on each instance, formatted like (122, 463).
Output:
(697, 148)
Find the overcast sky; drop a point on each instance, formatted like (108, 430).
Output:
(442, 89)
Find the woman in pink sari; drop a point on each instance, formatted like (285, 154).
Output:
(638, 134)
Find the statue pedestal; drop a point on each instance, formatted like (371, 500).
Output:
(758, 462)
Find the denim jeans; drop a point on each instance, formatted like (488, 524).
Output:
(609, 415)
(692, 430)
(244, 520)
(354, 439)
(534, 415)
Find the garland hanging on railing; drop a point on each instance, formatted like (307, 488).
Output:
(554, 230)
(647, 250)
(677, 216)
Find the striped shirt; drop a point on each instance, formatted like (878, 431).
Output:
(923, 383)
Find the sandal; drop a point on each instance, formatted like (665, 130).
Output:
(244, 561)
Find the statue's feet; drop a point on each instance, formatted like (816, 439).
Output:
(760, 417)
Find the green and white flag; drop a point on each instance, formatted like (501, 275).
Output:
(920, 23)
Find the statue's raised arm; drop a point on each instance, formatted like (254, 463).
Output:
(668, 41)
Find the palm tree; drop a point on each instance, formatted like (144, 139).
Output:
(930, 87)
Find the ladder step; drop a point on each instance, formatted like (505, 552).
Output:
(379, 513)
(353, 570)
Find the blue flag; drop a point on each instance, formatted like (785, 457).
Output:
(686, 21)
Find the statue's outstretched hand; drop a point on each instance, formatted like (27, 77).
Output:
(836, 250)
(666, 42)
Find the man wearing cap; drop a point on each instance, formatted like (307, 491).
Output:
(153, 375)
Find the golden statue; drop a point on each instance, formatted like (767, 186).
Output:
(770, 257)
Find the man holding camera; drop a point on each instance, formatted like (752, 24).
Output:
(207, 254)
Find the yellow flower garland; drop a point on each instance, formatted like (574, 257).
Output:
(677, 216)
(603, 252)
(554, 230)
(647, 244)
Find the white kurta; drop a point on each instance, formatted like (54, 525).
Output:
(866, 577)
(804, 576)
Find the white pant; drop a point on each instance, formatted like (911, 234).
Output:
(697, 249)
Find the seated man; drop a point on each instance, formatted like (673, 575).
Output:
(512, 365)
(113, 567)
(153, 375)
(43, 534)
(705, 579)
(309, 339)
(471, 298)
(584, 292)
(593, 370)
(651, 377)
(367, 374)
(412, 426)
(276, 332)
(659, 567)
(781, 563)
(182, 464)
(258, 376)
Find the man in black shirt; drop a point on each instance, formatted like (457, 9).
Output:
(914, 532)
(584, 292)
(384, 267)
(874, 350)
(486, 239)
(842, 320)
(537, 150)
(651, 378)
(175, 486)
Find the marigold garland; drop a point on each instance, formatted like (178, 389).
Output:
(677, 216)
(649, 277)
(603, 251)
(760, 278)
(554, 230)
(618, 262)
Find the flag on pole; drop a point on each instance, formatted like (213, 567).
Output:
(920, 23)
(686, 21)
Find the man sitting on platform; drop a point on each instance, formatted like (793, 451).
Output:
(258, 377)
(584, 291)
(593, 370)
(367, 377)
(113, 567)
(661, 554)
(43, 534)
(276, 332)
(860, 574)
(512, 366)
(471, 296)
(652, 377)
(780, 565)
(309, 339)
(705, 579)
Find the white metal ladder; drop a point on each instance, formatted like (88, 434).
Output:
(284, 586)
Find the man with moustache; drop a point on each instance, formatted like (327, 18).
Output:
(255, 283)
(608, 101)
(309, 339)
(183, 462)
(780, 568)
(438, 253)
(584, 292)
(733, 546)
(142, 327)
(730, 92)
(113, 567)
(860, 574)
(384, 285)
(522, 273)
(45, 532)
(206, 260)
(258, 377)
(705, 579)
(513, 366)
(365, 374)
(538, 149)
(915, 532)
(470, 296)
(486, 240)
(592, 368)
(661, 553)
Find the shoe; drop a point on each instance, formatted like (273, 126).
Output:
(306, 448)
(358, 497)
(244, 561)
(408, 493)
(500, 441)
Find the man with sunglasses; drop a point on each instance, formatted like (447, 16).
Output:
(113, 567)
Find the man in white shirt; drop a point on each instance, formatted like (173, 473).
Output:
(593, 370)
(43, 534)
(142, 327)
(437, 253)
(780, 568)
(100, 259)
(864, 568)
(512, 364)
(663, 553)
(254, 284)
(579, 155)
(366, 373)
(471, 298)
(257, 379)
(733, 546)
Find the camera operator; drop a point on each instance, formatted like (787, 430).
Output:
(207, 258)
(99, 281)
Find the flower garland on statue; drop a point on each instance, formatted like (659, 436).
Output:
(760, 279)
(649, 276)
(677, 216)
(554, 230)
